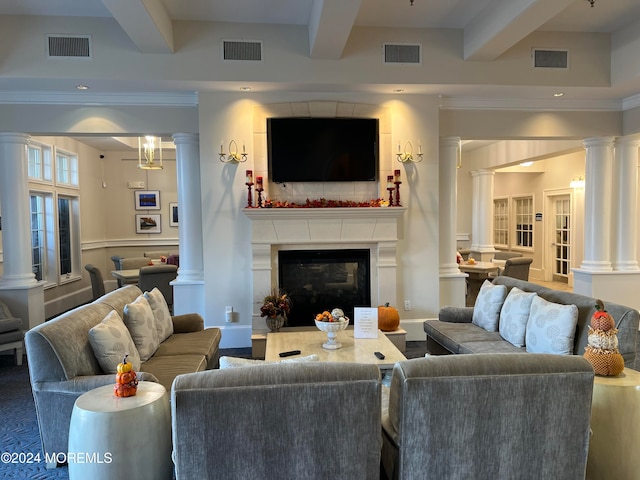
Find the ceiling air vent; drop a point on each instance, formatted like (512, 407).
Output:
(402, 53)
(550, 58)
(241, 50)
(67, 46)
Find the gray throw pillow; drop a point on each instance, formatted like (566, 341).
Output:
(234, 362)
(110, 341)
(138, 317)
(514, 316)
(486, 312)
(551, 327)
(161, 314)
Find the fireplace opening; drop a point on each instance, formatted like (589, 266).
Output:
(320, 280)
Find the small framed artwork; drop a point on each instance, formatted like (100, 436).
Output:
(147, 199)
(173, 214)
(149, 223)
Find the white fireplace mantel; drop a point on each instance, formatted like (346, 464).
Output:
(273, 229)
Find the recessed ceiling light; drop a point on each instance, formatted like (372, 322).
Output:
(245, 89)
(558, 94)
(398, 90)
(82, 87)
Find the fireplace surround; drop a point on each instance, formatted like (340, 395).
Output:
(371, 228)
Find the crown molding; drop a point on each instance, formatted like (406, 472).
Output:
(560, 105)
(189, 99)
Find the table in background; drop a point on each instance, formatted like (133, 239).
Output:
(358, 350)
(123, 437)
(477, 274)
(615, 423)
(127, 276)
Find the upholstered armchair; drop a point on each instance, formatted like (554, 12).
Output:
(516, 267)
(488, 416)
(311, 421)
(159, 276)
(11, 334)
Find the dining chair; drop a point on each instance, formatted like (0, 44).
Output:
(159, 276)
(97, 282)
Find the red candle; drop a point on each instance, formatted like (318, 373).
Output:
(397, 175)
(258, 182)
(249, 176)
(390, 181)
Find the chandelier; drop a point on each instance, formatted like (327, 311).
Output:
(150, 153)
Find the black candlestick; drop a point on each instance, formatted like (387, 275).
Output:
(249, 196)
(390, 196)
(259, 190)
(397, 194)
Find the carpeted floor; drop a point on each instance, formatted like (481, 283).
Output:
(19, 429)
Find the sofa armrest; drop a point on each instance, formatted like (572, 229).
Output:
(189, 322)
(82, 384)
(456, 314)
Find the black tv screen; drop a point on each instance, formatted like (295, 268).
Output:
(322, 149)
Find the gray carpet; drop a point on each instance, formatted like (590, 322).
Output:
(19, 429)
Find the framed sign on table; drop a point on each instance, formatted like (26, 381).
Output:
(147, 199)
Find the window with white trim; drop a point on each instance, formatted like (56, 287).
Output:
(39, 161)
(66, 168)
(501, 222)
(523, 221)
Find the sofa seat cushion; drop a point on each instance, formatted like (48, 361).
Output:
(451, 335)
(497, 346)
(13, 336)
(166, 368)
(204, 342)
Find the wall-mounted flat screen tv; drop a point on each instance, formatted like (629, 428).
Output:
(322, 149)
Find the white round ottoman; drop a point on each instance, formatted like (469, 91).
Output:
(112, 437)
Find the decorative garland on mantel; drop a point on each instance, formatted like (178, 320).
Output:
(324, 203)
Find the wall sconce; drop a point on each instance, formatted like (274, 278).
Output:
(407, 155)
(234, 156)
(577, 182)
(150, 153)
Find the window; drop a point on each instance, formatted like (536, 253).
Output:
(39, 157)
(501, 222)
(66, 168)
(523, 222)
(38, 245)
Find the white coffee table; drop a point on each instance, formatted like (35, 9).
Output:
(358, 350)
(111, 437)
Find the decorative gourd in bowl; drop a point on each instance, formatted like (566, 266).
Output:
(331, 323)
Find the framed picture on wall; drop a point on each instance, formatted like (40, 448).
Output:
(173, 214)
(147, 199)
(148, 223)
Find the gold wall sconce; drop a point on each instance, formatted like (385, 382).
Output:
(233, 156)
(407, 155)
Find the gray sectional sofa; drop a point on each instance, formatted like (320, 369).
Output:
(453, 332)
(62, 364)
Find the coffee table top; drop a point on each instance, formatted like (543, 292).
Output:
(357, 350)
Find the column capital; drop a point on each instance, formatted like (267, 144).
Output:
(477, 173)
(15, 137)
(598, 142)
(185, 138)
(450, 141)
(629, 141)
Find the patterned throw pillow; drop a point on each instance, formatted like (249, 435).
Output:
(551, 327)
(234, 362)
(138, 317)
(110, 341)
(486, 312)
(514, 316)
(161, 314)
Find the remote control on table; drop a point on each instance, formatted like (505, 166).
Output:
(379, 355)
(288, 354)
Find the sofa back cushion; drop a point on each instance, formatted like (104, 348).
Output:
(117, 299)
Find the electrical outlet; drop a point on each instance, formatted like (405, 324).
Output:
(407, 305)
(228, 314)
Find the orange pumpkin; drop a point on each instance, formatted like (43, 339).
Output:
(388, 318)
(126, 379)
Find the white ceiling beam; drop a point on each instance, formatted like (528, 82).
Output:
(146, 22)
(504, 23)
(330, 25)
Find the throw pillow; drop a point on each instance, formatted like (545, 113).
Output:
(161, 314)
(234, 362)
(110, 341)
(514, 316)
(486, 312)
(551, 327)
(138, 317)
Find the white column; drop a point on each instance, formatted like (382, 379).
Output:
(14, 198)
(598, 205)
(188, 287)
(449, 156)
(625, 199)
(482, 210)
